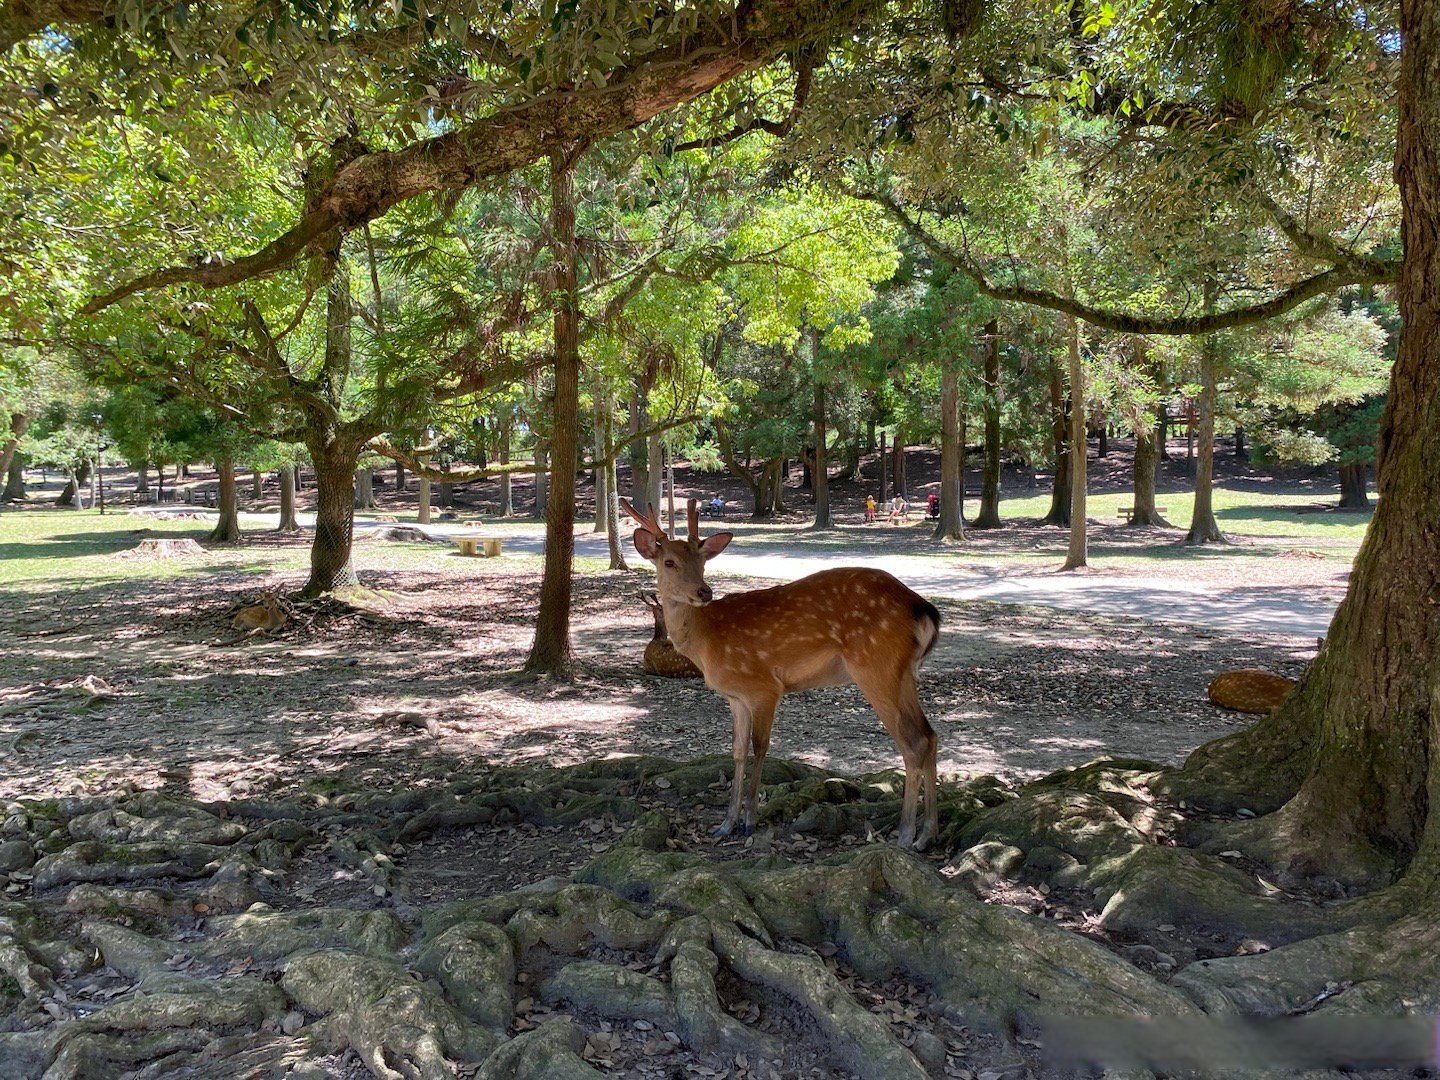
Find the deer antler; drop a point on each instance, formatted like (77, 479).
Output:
(648, 522)
(692, 519)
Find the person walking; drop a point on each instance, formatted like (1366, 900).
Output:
(869, 509)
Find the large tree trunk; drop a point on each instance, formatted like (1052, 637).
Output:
(1352, 486)
(951, 525)
(365, 489)
(330, 565)
(70, 494)
(19, 424)
(288, 522)
(550, 653)
(1059, 513)
(1357, 744)
(446, 495)
(507, 497)
(142, 478)
(1078, 553)
(820, 474)
(1203, 527)
(990, 483)
(1162, 431)
(227, 526)
(897, 464)
(14, 480)
(425, 497)
(257, 484)
(1147, 456)
(639, 454)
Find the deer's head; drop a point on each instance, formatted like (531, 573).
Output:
(679, 564)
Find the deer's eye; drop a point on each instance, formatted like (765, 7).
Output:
(670, 563)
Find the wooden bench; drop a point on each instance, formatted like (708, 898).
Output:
(472, 546)
(1128, 512)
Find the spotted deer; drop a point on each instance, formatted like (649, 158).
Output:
(851, 624)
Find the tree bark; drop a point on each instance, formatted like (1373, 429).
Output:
(365, 489)
(14, 480)
(1147, 455)
(257, 484)
(613, 539)
(1356, 745)
(820, 475)
(1059, 513)
(882, 466)
(142, 478)
(70, 493)
(288, 522)
(425, 497)
(600, 475)
(550, 654)
(1162, 431)
(639, 454)
(399, 479)
(1077, 555)
(19, 424)
(1353, 495)
(1241, 451)
(951, 525)
(330, 565)
(227, 526)
(542, 477)
(897, 465)
(446, 494)
(1203, 527)
(777, 501)
(989, 517)
(507, 498)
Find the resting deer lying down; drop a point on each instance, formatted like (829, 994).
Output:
(839, 626)
(260, 618)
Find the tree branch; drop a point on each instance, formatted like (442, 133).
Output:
(370, 183)
(1368, 272)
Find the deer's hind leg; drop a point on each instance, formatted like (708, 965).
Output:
(896, 701)
(740, 747)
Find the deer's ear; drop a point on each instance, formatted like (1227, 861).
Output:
(647, 544)
(713, 545)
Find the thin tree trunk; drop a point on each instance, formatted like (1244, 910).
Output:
(1241, 451)
(542, 478)
(288, 521)
(656, 462)
(399, 479)
(227, 526)
(1203, 527)
(639, 454)
(951, 525)
(507, 499)
(670, 486)
(897, 465)
(612, 496)
(70, 494)
(1353, 495)
(820, 475)
(1103, 449)
(257, 484)
(1078, 554)
(990, 484)
(1162, 431)
(1059, 513)
(883, 468)
(777, 496)
(599, 475)
(159, 483)
(425, 497)
(550, 654)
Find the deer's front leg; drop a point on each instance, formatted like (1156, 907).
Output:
(740, 716)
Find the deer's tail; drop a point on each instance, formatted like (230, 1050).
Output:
(927, 629)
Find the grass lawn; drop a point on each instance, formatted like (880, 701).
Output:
(43, 546)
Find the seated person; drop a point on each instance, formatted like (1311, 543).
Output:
(899, 508)
(717, 505)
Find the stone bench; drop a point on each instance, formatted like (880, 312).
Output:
(472, 546)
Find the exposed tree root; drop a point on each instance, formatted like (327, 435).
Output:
(157, 928)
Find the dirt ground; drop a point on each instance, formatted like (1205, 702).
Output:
(422, 686)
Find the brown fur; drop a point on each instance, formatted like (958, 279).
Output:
(1249, 690)
(661, 656)
(852, 624)
(260, 618)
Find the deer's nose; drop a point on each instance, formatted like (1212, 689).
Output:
(705, 593)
